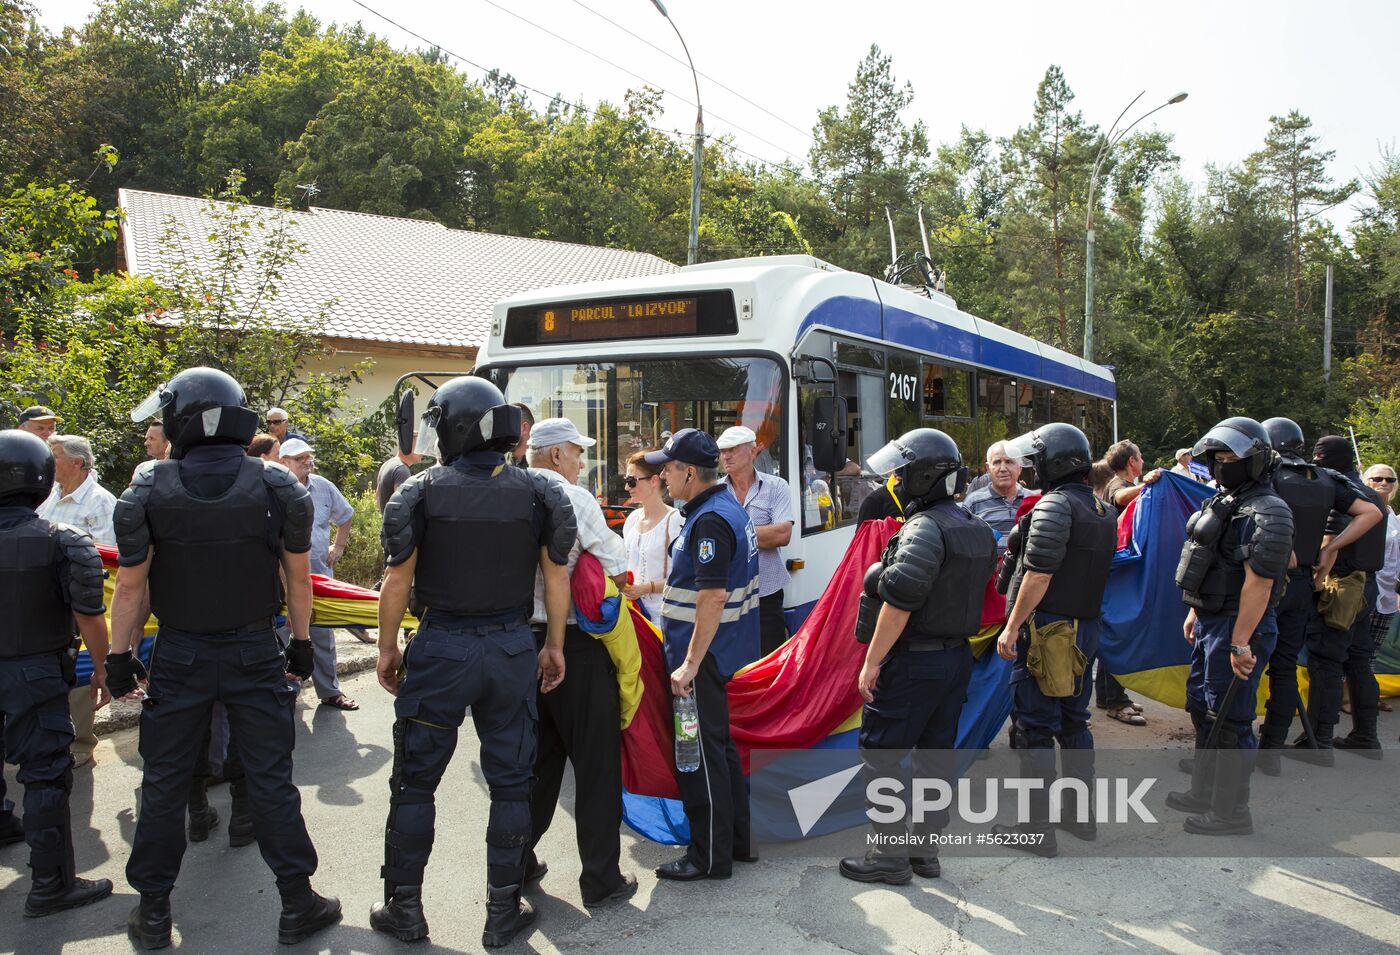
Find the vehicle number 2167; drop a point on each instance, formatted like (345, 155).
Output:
(903, 387)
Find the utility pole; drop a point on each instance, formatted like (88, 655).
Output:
(1327, 334)
(697, 162)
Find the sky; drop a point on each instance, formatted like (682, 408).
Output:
(970, 64)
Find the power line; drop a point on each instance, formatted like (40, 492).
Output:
(707, 76)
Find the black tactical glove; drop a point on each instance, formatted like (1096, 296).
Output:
(124, 670)
(299, 658)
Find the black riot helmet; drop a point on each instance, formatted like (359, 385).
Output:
(26, 468)
(929, 463)
(200, 405)
(1285, 436)
(1057, 451)
(1247, 440)
(467, 414)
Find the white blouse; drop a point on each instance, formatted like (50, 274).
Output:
(647, 558)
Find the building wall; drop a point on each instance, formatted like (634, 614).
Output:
(388, 366)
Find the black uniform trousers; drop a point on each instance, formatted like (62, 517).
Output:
(581, 723)
(1297, 619)
(715, 796)
(453, 663)
(772, 623)
(37, 733)
(247, 673)
(1344, 656)
(919, 696)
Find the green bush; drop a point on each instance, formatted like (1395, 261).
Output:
(363, 561)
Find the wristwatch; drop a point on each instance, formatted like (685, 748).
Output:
(1240, 649)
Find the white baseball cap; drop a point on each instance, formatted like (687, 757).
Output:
(551, 431)
(293, 447)
(735, 436)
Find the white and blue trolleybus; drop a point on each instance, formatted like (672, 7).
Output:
(823, 364)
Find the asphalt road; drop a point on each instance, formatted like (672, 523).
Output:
(226, 901)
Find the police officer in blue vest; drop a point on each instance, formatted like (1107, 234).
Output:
(709, 617)
(931, 579)
(52, 577)
(213, 532)
(467, 536)
(1061, 553)
(1233, 568)
(1313, 494)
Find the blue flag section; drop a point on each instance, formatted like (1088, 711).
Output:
(1140, 639)
(1140, 642)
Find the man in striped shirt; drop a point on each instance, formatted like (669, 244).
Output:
(998, 502)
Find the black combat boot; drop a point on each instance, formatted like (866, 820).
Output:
(877, 867)
(203, 817)
(304, 912)
(240, 817)
(11, 829)
(1197, 798)
(149, 923)
(401, 915)
(1320, 755)
(1228, 813)
(927, 866)
(53, 892)
(1087, 830)
(506, 914)
(1365, 711)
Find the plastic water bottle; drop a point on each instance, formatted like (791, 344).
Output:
(687, 733)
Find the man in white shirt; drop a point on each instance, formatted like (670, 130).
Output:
(768, 501)
(580, 721)
(79, 501)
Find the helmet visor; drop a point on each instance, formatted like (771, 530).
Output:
(427, 442)
(1025, 447)
(889, 459)
(153, 403)
(1225, 439)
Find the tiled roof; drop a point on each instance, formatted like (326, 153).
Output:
(391, 280)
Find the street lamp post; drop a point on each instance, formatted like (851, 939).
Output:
(692, 254)
(1113, 138)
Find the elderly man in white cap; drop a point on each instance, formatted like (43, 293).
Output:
(1183, 463)
(580, 720)
(768, 501)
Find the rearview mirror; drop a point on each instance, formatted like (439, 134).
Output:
(829, 433)
(404, 421)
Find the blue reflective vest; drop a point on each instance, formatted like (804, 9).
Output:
(735, 643)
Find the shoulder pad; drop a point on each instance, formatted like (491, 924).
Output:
(1272, 542)
(1048, 533)
(298, 512)
(912, 568)
(277, 475)
(561, 527)
(85, 573)
(396, 534)
(129, 520)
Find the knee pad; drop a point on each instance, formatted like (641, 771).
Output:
(1034, 737)
(507, 838)
(517, 793)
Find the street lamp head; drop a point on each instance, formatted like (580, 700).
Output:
(660, 7)
(1171, 102)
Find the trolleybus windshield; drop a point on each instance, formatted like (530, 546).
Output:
(635, 404)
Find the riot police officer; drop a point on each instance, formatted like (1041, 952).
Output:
(930, 581)
(1313, 494)
(467, 536)
(1059, 555)
(208, 530)
(56, 574)
(1233, 568)
(1341, 651)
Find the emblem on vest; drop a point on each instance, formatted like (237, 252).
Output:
(707, 550)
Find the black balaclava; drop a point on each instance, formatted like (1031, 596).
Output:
(1334, 451)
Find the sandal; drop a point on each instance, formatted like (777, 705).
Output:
(1385, 707)
(1126, 714)
(341, 702)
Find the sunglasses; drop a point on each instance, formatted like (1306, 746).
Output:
(1382, 480)
(630, 482)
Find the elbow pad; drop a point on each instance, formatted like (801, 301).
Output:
(129, 520)
(84, 571)
(1048, 534)
(1272, 542)
(909, 576)
(561, 527)
(397, 532)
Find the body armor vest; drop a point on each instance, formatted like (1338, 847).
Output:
(1214, 586)
(954, 605)
(1310, 496)
(36, 617)
(1076, 588)
(480, 548)
(215, 563)
(1368, 553)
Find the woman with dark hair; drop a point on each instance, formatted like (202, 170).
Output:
(265, 446)
(648, 532)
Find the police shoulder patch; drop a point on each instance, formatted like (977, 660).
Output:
(705, 549)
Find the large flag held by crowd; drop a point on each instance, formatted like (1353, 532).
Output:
(804, 695)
